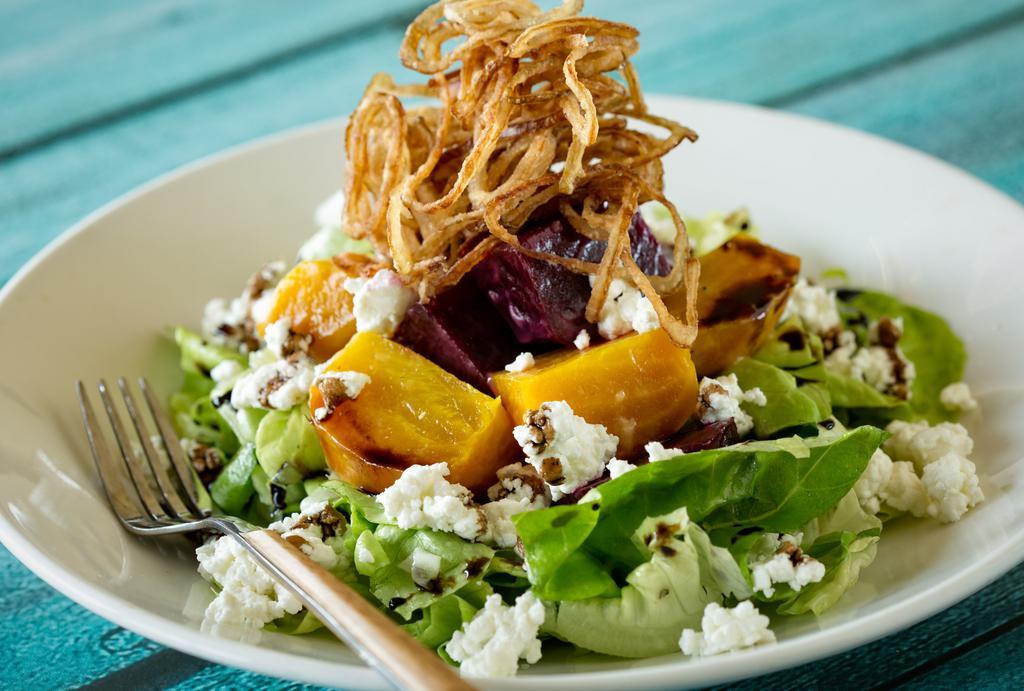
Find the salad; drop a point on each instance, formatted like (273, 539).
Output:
(507, 394)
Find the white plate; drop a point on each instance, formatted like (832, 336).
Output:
(97, 301)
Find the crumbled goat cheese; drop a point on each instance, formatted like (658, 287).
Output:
(658, 219)
(582, 340)
(952, 486)
(424, 567)
(380, 302)
(719, 399)
(625, 309)
(656, 451)
(726, 629)
(787, 565)
(336, 388)
(565, 449)
(904, 490)
(523, 362)
(225, 370)
(233, 323)
(282, 341)
(492, 643)
(815, 305)
(618, 468)
(873, 481)
(422, 498)
(519, 489)
(311, 529)
(881, 363)
(957, 398)
(932, 476)
(922, 443)
(279, 385)
(248, 599)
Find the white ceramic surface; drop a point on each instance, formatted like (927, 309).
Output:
(97, 302)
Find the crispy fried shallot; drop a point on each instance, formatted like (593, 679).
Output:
(533, 112)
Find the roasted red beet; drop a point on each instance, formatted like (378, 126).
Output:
(460, 331)
(713, 436)
(544, 302)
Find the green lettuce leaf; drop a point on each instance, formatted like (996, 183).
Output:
(287, 437)
(581, 551)
(847, 392)
(790, 403)
(661, 597)
(391, 549)
(845, 540)
(232, 488)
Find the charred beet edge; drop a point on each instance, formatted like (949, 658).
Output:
(544, 302)
(460, 331)
(712, 436)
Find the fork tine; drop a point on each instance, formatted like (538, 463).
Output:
(172, 446)
(113, 481)
(169, 490)
(130, 457)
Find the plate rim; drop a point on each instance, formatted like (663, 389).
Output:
(744, 664)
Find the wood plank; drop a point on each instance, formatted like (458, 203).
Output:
(43, 192)
(996, 665)
(114, 58)
(44, 635)
(68, 64)
(964, 105)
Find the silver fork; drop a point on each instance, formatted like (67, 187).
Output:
(152, 492)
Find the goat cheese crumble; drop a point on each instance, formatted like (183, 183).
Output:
(625, 309)
(565, 449)
(656, 451)
(784, 564)
(618, 468)
(725, 629)
(932, 477)
(249, 597)
(380, 302)
(523, 362)
(519, 489)
(422, 498)
(582, 340)
(232, 323)
(492, 643)
(720, 399)
(278, 385)
(957, 397)
(880, 363)
(815, 306)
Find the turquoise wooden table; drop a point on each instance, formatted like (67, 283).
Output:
(98, 97)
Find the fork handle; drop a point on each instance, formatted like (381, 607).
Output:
(354, 620)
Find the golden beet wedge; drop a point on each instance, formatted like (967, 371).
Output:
(313, 297)
(744, 285)
(411, 412)
(640, 387)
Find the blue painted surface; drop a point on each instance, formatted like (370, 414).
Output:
(99, 97)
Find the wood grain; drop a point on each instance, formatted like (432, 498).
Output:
(75, 63)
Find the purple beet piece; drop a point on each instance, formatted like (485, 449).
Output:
(711, 436)
(543, 302)
(460, 331)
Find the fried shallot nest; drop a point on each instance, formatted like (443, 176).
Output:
(532, 111)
